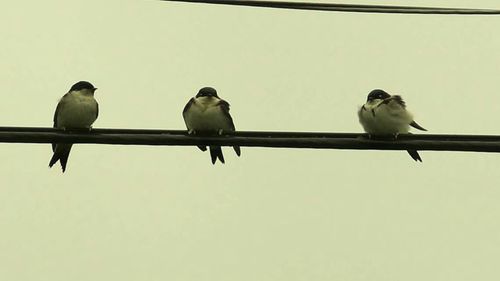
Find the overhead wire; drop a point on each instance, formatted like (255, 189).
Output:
(313, 140)
(354, 8)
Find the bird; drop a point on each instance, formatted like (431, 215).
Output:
(385, 114)
(77, 109)
(207, 113)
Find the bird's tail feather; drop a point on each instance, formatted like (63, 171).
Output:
(414, 154)
(61, 154)
(216, 152)
(237, 150)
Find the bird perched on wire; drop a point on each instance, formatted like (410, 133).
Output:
(206, 114)
(383, 114)
(77, 109)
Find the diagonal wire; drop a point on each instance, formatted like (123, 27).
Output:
(348, 7)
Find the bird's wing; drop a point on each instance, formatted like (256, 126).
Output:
(224, 105)
(96, 110)
(399, 100)
(417, 126)
(61, 102)
(186, 108)
(396, 99)
(360, 111)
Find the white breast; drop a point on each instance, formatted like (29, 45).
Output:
(77, 111)
(205, 115)
(388, 119)
(366, 119)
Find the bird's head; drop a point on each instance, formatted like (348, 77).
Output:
(83, 85)
(377, 94)
(207, 92)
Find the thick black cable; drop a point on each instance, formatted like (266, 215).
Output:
(476, 143)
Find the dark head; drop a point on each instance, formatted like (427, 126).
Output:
(207, 92)
(83, 85)
(377, 94)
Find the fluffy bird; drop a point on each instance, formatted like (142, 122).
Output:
(77, 109)
(206, 113)
(383, 114)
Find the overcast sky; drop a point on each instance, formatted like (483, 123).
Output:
(167, 213)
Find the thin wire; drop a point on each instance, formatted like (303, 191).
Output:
(348, 7)
(356, 141)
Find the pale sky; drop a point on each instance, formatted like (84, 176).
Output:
(167, 213)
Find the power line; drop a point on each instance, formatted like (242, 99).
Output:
(317, 140)
(348, 7)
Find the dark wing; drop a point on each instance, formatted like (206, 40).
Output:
(224, 105)
(55, 126)
(55, 115)
(188, 105)
(96, 110)
(57, 112)
(417, 126)
(398, 99)
(59, 105)
(225, 109)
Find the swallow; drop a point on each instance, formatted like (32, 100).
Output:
(206, 113)
(383, 114)
(77, 109)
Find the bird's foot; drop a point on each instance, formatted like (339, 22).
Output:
(220, 132)
(365, 136)
(396, 135)
(191, 132)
